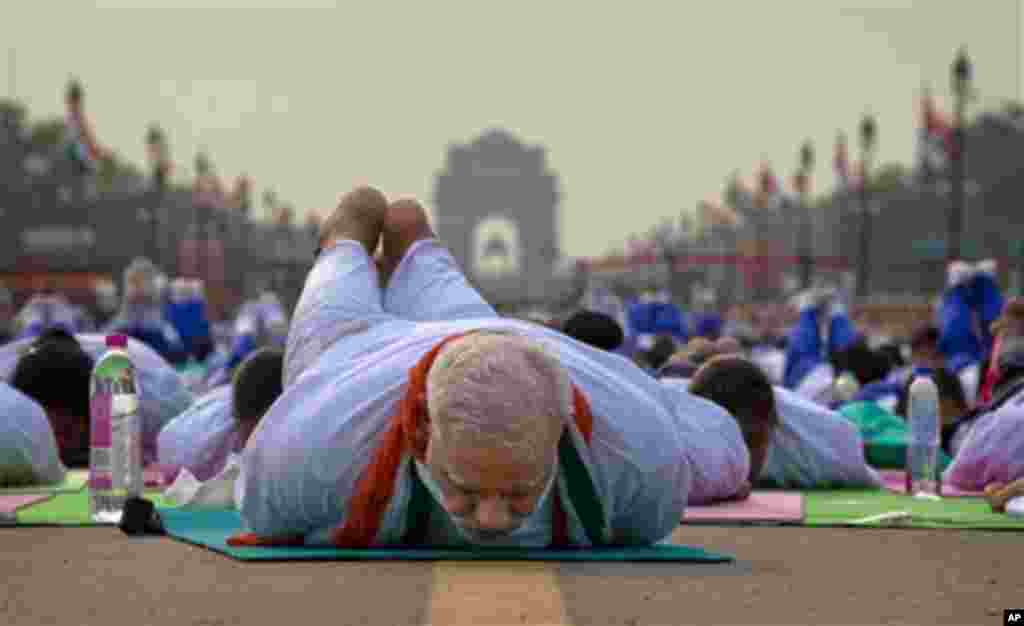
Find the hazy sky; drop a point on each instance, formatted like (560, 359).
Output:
(644, 107)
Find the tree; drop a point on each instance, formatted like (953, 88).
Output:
(47, 134)
(888, 177)
(12, 113)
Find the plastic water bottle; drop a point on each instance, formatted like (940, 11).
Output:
(925, 433)
(115, 455)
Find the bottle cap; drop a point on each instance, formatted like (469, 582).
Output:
(117, 341)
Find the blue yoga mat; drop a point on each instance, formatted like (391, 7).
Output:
(211, 529)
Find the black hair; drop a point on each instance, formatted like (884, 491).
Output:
(55, 335)
(739, 386)
(595, 329)
(257, 384)
(56, 374)
(865, 364)
(891, 351)
(662, 350)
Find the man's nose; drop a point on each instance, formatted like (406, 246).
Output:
(492, 514)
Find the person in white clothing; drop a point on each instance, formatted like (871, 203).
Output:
(413, 415)
(28, 449)
(54, 370)
(220, 422)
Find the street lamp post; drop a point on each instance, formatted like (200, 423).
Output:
(156, 145)
(868, 132)
(803, 180)
(961, 78)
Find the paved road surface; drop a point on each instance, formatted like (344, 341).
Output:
(96, 576)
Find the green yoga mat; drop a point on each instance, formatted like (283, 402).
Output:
(66, 509)
(74, 480)
(845, 507)
(210, 529)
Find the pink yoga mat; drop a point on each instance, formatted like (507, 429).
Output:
(761, 506)
(10, 504)
(896, 480)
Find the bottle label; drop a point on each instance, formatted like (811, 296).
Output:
(100, 438)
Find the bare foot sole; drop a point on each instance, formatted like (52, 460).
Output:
(405, 224)
(359, 216)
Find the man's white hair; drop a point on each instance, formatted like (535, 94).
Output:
(501, 389)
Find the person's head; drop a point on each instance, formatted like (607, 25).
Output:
(141, 285)
(55, 372)
(952, 399)
(257, 385)
(924, 348)
(495, 407)
(595, 329)
(74, 94)
(891, 351)
(1008, 332)
(863, 362)
(662, 350)
(741, 388)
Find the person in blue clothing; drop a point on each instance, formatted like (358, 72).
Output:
(45, 311)
(707, 322)
(142, 314)
(808, 369)
(260, 323)
(925, 359)
(186, 311)
(653, 316)
(969, 306)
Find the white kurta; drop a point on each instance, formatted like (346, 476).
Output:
(817, 385)
(28, 449)
(815, 447)
(201, 438)
(718, 457)
(303, 460)
(992, 450)
(162, 392)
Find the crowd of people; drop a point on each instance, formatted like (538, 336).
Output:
(394, 406)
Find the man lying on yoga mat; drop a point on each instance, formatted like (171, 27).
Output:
(54, 370)
(793, 442)
(28, 449)
(413, 415)
(221, 421)
(726, 447)
(987, 443)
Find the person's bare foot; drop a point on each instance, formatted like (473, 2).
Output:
(359, 216)
(405, 224)
(999, 494)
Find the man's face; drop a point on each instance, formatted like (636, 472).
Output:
(488, 490)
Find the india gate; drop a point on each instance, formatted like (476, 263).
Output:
(496, 209)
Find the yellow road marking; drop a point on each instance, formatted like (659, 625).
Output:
(496, 593)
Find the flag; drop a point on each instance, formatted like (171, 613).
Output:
(842, 164)
(935, 138)
(770, 193)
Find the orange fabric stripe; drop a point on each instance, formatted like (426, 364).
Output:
(255, 541)
(409, 430)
